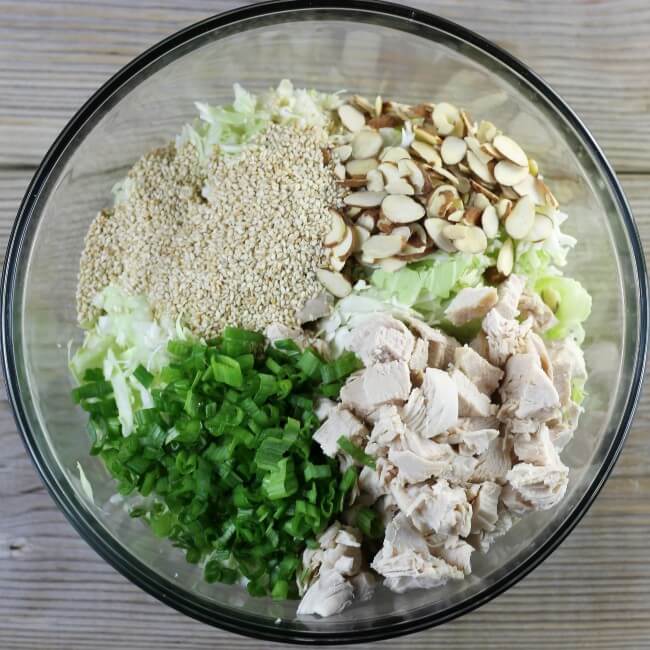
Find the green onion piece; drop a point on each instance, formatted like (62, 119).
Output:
(369, 523)
(356, 452)
(226, 370)
(143, 376)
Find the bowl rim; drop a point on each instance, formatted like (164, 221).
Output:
(131, 567)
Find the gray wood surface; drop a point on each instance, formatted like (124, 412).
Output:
(594, 592)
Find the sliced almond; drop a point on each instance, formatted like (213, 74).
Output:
(343, 152)
(353, 212)
(503, 208)
(418, 235)
(360, 167)
(425, 136)
(366, 144)
(480, 201)
(486, 131)
(475, 147)
(490, 222)
(509, 193)
(467, 239)
(434, 229)
(337, 231)
(470, 127)
(445, 116)
(509, 174)
(392, 264)
(378, 105)
(479, 187)
(439, 199)
(385, 122)
(339, 171)
(390, 172)
(345, 246)
(399, 186)
(367, 220)
(426, 152)
(353, 182)
(381, 246)
(542, 228)
(472, 215)
(408, 251)
(455, 216)
(360, 236)
(445, 173)
(479, 168)
(364, 199)
(521, 218)
(385, 226)
(402, 231)
(401, 209)
(394, 154)
(508, 148)
(463, 184)
(334, 282)
(489, 150)
(407, 168)
(336, 263)
(453, 150)
(362, 104)
(506, 258)
(530, 186)
(351, 118)
(375, 181)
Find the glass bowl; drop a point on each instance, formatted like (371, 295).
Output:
(366, 47)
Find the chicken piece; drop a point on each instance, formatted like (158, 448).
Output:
(485, 506)
(323, 408)
(536, 448)
(527, 391)
(454, 551)
(420, 356)
(481, 372)
(406, 562)
(339, 423)
(364, 584)
(279, 332)
(316, 308)
(510, 291)
(414, 412)
(480, 345)
(441, 402)
(504, 336)
(494, 464)
(387, 427)
(441, 345)
(330, 594)
(531, 487)
(375, 483)
(535, 345)
(439, 509)
(484, 539)
(471, 303)
(568, 362)
(379, 384)
(412, 468)
(381, 338)
(531, 304)
(472, 443)
(471, 402)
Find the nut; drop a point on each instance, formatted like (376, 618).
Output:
(399, 186)
(426, 152)
(509, 174)
(393, 154)
(401, 209)
(434, 229)
(334, 282)
(366, 144)
(364, 199)
(508, 148)
(467, 239)
(542, 228)
(351, 118)
(337, 231)
(506, 258)
(345, 246)
(382, 246)
(445, 116)
(361, 166)
(453, 150)
(521, 218)
(490, 222)
(375, 181)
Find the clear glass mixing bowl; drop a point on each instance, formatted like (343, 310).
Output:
(369, 48)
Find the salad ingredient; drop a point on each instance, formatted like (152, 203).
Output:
(207, 260)
(223, 454)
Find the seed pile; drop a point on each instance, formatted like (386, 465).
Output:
(239, 246)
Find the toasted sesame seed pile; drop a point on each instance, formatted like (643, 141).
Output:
(238, 246)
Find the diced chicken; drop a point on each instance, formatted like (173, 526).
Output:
(510, 291)
(535, 345)
(531, 487)
(471, 402)
(568, 363)
(480, 345)
(531, 304)
(414, 412)
(412, 468)
(483, 540)
(481, 372)
(441, 345)
(441, 400)
(374, 484)
(364, 584)
(381, 338)
(339, 423)
(504, 336)
(316, 308)
(379, 384)
(455, 551)
(323, 408)
(420, 356)
(495, 463)
(440, 509)
(278, 332)
(471, 303)
(406, 562)
(536, 448)
(484, 507)
(472, 443)
(330, 594)
(527, 391)
(387, 427)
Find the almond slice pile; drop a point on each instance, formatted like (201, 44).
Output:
(450, 184)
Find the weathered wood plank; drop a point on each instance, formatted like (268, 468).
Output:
(55, 53)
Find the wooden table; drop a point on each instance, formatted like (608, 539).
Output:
(55, 592)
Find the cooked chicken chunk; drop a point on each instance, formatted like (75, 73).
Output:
(495, 463)
(420, 356)
(323, 408)
(472, 443)
(441, 401)
(455, 551)
(536, 448)
(470, 304)
(531, 487)
(503, 336)
(339, 423)
(330, 594)
(375, 483)
(382, 338)
(484, 507)
(509, 296)
(481, 372)
(471, 402)
(441, 345)
(527, 391)
(278, 332)
(531, 304)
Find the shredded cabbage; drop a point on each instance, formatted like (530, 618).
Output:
(574, 306)
(125, 336)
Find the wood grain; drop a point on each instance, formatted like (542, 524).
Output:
(56, 593)
(54, 54)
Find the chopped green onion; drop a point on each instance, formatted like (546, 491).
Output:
(356, 452)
